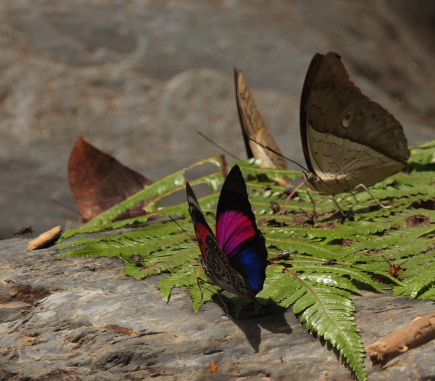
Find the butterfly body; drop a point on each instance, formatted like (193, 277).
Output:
(347, 139)
(234, 259)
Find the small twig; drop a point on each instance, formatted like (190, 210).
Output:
(420, 331)
(45, 239)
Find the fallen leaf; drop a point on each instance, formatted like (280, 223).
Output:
(98, 182)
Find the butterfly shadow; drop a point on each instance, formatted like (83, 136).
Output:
(254, 316)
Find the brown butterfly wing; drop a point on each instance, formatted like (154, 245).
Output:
(98, 181)
(253, 126)
(347, 138)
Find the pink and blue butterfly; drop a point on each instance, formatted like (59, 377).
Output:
(234, 259)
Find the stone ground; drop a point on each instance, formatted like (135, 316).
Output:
(139, 78)
(65, 318)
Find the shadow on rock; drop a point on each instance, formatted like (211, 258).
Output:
(254, 316)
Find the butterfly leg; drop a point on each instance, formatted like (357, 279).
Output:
(312, 201)
(288, 199)
(345, 216)
(310, 220)
(354, 197)
(205, 281)
(218, 294)
(223, 304)
(373, 197)
(338, 206)
(198, 279)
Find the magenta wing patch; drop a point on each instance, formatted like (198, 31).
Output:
(232, 229)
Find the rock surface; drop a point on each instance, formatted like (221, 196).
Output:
(138, 79)
(64, 318)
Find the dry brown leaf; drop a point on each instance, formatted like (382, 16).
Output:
(98, 182)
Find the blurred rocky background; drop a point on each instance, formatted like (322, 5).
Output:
(139, 78)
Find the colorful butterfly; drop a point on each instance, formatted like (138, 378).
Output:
(234, 259)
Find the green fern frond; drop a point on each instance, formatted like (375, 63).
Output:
(313, 247)
(329, 261)
(325, 309)
(424, 154)
(185, 278)
(419, 283)
(339, 276)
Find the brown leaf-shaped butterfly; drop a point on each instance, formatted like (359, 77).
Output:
(348, 140)
(254, 127)
(254, 130)
(98, 181)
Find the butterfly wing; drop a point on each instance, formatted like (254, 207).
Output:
(253, 126)
(347, 139)
(237, 233)
(214, 260)
(202, 229)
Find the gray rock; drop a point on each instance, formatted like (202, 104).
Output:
(139, 79)
(81, 318)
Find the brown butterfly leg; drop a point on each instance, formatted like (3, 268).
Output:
(354, 197)
(337, 205)
(310, 220)
(373, 197)
(343, 213)
(288, 199)
(312, 201)
(224, 304)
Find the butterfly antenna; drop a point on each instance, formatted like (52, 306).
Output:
(217, 145)
(60, 203)
(173, 219)
(279, 154)
(389, 262)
